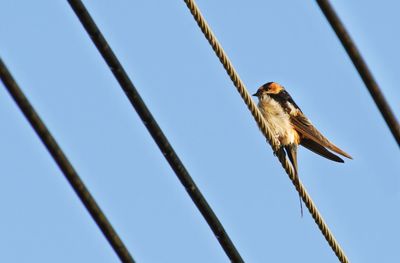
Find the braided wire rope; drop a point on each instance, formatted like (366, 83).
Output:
(241, 88)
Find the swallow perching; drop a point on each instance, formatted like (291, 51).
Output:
(291, 127)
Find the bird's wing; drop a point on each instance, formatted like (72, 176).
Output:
(321, 150)
(303, 125)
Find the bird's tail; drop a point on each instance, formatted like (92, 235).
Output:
(291, 151)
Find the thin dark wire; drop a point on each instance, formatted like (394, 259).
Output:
(155, 131)
(65, 166)
(361, 67)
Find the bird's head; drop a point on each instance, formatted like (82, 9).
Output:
(268, 88)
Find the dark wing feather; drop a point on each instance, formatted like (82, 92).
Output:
(308, 131)
(318, 149)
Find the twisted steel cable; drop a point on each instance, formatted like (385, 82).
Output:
(65, 166)
(361, 67)
(241, 88)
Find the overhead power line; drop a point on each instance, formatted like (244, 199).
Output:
(155, 131)
(241, 88)
(63, 163)
(361, 67)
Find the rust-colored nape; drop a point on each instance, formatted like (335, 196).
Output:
(274, 88)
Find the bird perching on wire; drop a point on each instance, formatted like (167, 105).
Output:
(291, 127)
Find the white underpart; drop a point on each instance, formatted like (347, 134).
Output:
(293, 110)
(277, 119)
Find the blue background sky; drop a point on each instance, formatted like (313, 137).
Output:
(192, 98)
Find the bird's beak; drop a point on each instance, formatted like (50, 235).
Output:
(255, 94)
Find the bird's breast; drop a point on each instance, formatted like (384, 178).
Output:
(278, 121)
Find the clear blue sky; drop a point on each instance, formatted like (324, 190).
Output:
(190, 95)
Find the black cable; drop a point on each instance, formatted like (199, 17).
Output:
(66, 167)
(155, 131)
(361, 67)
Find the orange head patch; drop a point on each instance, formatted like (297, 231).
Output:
(273, 88)
(269, 88)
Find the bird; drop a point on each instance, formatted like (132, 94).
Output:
(290, 126)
